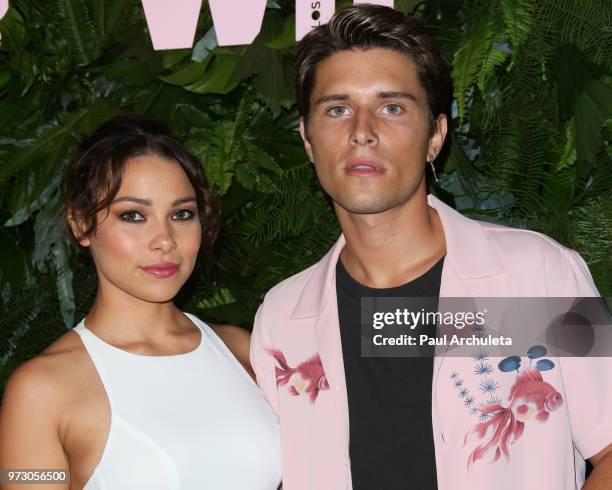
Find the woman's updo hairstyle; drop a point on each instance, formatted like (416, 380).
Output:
(93, 176)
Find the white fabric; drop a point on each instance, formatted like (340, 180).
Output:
(183, 422)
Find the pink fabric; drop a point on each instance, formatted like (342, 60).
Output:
(299, 318)
(4, 5)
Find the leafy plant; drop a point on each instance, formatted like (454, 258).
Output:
(530, 143)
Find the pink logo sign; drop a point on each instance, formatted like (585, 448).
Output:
(386, 3)
(310, 14)
(237, 21)
(3, 8)
(173, 24)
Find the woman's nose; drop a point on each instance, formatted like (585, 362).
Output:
(163, 238)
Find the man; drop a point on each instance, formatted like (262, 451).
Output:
(372, 91)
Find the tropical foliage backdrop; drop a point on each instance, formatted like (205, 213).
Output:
(530, 144)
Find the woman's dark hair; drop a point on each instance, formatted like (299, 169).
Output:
(93, 176)
(373, 26)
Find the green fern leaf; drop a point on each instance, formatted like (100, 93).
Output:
(467, 63)
(109, 15)
(195, 116)
(592, 109)
(493, 58)
(79, 28)
(518, 20)
(249, 176)
(261, 157)
(568, 156)
(214, 148)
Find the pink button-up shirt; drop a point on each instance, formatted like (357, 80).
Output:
(296, 353)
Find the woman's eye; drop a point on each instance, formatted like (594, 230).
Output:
(183, 215)
(131, 216)
(337, 111)
(393, 109)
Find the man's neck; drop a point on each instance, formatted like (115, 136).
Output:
(392, 248)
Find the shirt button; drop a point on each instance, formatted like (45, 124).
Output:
(337, 387)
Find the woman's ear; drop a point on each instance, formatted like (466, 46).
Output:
(78, 228)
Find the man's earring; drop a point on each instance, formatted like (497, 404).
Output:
(433, 169)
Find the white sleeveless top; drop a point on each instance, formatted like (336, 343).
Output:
(190, 421)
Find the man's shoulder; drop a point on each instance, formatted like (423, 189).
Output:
(292, 286)
(532, 256)
(507, 239)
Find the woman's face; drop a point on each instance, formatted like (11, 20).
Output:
(146, 243)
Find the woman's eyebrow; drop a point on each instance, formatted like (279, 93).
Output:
(183, 200)
(137, 200)
(148, 202)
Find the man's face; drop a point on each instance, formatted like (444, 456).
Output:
(368, 130)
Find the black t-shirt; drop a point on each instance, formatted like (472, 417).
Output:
(389, 398)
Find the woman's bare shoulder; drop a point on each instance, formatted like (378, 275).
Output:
(36, 401)
(46, 377)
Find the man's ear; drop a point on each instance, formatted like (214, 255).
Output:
(304, 135)
(437, 140)
(78, 228)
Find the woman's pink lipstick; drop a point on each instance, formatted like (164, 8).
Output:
(161, 270)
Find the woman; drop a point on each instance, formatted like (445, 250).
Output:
(140, 395)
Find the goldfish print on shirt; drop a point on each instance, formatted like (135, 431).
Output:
(530, 400)
(307, 378)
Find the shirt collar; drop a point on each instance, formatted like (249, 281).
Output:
(468, 250)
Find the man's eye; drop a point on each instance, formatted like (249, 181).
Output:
(393, 109)
(131, 216)
(183, 215)
(337, 111)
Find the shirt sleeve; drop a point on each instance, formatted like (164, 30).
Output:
(587, 380)
(261, 361)
(578, 280)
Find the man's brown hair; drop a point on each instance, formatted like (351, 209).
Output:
(363, 27)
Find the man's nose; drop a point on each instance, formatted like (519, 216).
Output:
(363, 132)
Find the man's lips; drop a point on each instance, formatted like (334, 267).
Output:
(363, 168)
(161, 269)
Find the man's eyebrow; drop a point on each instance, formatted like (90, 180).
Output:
(385, 94)
(148, 202)
(327, 98)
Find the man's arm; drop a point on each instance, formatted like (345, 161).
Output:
(261, 361)
(590, 399)
(601, 476)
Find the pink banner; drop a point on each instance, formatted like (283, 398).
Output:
(386, 3)
(172, 24)
(237, 21)
(310, 14)
(3, 7)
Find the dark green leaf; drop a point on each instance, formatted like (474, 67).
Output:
(218, 77)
